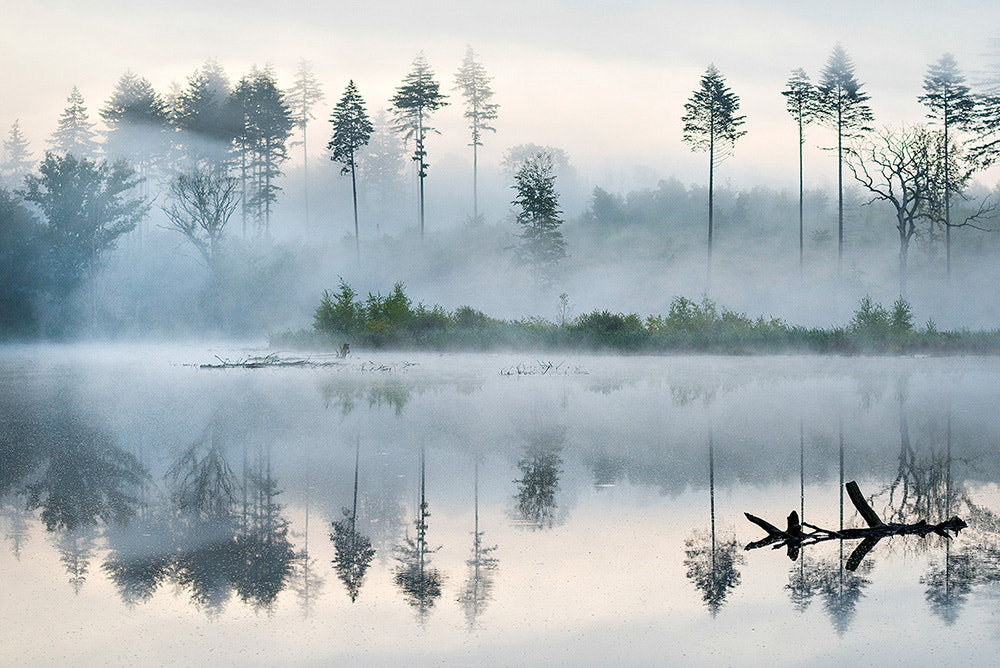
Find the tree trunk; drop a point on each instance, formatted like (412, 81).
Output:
(711, 197)
(840, 191)
(354, 194)
(904, 247)
(801, 217)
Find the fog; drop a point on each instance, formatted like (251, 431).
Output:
(632, 246)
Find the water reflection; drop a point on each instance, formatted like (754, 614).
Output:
(201, 520)
(415, 577)
(478, 588)
(354, 550)
(539, 481)
(711, 562)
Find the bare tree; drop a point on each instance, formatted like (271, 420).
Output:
(905, 168)
(201, 204)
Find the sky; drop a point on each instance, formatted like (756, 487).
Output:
(606, 82)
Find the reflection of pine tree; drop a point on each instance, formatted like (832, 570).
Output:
(479, 586)
(354, 551)
(420, 584)
(17, 528)
(205, 569)
(803, 582)
(76, 549)
(949, 583)
(539, 482)
(841, 590)
(711, 565)
(264, 553)
(140, 559)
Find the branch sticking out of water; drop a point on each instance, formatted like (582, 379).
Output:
(795, 535)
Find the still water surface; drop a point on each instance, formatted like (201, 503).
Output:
(404, 509)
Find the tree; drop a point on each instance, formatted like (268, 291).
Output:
(87, 206)
(205, 120)
(22, 269)
(382, 163)
(261, 140)
(305, 93)
(711, 124)
(16, 157)
(414, 101)
(901, 167)
(800, 97)
(474, 84)
(136, 117)
(352, 129)
(950, 103)
(201, 203)
(75, 133)
(842, 106)
(541, 244)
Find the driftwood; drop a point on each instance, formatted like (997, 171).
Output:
(272, 360)
(799, 534)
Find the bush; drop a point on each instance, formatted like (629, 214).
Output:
(340, 313)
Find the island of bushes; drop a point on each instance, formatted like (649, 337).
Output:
(392, 321)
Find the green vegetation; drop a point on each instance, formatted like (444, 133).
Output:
(689, 326)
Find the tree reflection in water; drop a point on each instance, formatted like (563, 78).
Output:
(225, 544)
(712, 563)
(482, 565)
(420, 584)
(76, 549)
(539, 482)
(354, 552)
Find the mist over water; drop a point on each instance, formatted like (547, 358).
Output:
(590, 485)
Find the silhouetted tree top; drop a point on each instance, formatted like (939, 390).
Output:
(352, 128)
(841, 104)
(75, 133)
(711, 119)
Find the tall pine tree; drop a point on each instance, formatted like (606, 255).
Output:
(712, 124)
(800, 97)
(17, 160)
(414, 101)
(951, 104)
(842, 106)
(474, 85)
(75, 132)
(352, 130)
(302, 97)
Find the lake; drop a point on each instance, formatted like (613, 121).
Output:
(494, 509)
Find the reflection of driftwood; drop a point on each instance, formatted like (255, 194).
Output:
(796, 536)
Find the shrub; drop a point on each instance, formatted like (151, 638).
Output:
(340, 313)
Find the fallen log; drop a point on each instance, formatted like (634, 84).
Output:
(794, 536)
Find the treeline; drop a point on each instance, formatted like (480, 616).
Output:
(211, 151)
(689, 326)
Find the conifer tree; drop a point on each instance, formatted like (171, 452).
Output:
(800, 97)
(75, 133)
(138, 126)
(17, 160)
(382, 163)
(352, 130)
(950, 103)
(541, 244)
(304, 94)
(261, 141)
(414, 101)
(205, 120)
(474, 84)
(711, 123)
(842, 106)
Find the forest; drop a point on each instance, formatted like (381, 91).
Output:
(199, 213)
